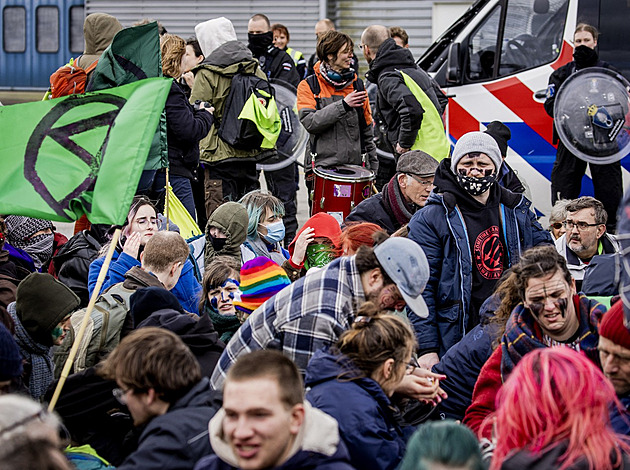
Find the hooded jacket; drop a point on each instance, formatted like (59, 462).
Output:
(400, 110)
(364, 413)
(99, 30)
(316, 447)
(213, 79)
(334, 128)
(178, 438)
(440, 230)
(232, 219)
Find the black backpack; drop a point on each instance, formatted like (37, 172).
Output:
(243, 134)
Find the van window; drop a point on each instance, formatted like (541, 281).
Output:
(482, 45)
(532, 35)
(14, 29)
(615, 34)
(47, 29)
(77, 17)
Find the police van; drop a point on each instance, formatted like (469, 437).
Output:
(495, 61)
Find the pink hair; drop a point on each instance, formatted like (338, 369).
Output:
(356, 235)
(555, 395)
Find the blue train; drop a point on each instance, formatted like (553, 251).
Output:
(38, 36)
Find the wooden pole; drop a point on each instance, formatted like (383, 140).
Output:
(88, 312)
(166, 208)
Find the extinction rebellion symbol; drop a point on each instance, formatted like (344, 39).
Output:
(62, 135)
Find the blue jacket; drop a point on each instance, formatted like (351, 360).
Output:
(440, 230)
(364, 413)
(620, 421)
(187, 290)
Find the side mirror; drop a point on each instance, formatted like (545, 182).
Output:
(453, 74)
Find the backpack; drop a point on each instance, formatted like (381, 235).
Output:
(70, 79)
(102, 334)
(250, 118)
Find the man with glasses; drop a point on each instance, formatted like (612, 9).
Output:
(585, 236)
(160, 382)
(471, 230)
(406, 192)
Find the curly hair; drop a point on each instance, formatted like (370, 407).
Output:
(173, 49)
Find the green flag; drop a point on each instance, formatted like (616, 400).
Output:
(80, 154)
(133, 55)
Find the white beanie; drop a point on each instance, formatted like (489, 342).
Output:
(476, 142)
(214, 33)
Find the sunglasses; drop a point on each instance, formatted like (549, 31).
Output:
(557, 225)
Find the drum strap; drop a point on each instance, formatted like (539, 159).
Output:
(313, 84)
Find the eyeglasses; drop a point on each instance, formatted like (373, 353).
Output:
(581, 226)
(120, 395)
(144, 222)
(412, 365)
(422, 182)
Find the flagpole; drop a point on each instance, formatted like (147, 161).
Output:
(166, 208)
(88, 312)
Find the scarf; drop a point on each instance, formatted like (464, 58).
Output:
(395, 201)
(346, 77)
(523, 334)
(35, 354)
(226, 325)
(260, 248)
(20, 228)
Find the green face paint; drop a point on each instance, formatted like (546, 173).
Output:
(318, 255)
(57, 333)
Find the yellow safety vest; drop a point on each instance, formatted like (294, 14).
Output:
(295, 55)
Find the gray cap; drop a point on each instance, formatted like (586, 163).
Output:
(476, 142)
(417, 162)
(405, 263)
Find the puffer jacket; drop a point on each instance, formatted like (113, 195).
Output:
(440, 230)
(213, 79)
(367, 423)
(334, 128)
(400, 110)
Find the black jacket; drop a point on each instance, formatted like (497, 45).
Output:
(179, 438)
(72, 263)
(277, 64)
(185, 127)
(400, 110)
(374, 210)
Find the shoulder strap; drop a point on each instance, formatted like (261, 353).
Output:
(313, 84)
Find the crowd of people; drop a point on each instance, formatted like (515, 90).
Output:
(437, 325)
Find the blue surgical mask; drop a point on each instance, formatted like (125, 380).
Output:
(275, 232)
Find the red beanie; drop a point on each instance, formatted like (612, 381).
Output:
(611, 326)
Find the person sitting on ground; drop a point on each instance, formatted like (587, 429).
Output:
(355, 235)
(314, 245)
(614, 355)
(550, 313)
(140, 226)
(226, 231)
(161, 384)
(585, 237)
(553, 413)
(220, 288)
(315, 310)
(266, 424)
(261, 279)
(41, 314)
(265, 231)
(354, 380)
(442, 445)
(406, 192)
(557, 216)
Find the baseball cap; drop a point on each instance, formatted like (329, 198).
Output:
(406, 264)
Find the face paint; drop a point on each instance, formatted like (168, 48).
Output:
(57, 333)
(318, 255)
(537, 307)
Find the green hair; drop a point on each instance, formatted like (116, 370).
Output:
(256, 202)
(444, 442)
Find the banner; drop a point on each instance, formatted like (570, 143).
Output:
(80, 154)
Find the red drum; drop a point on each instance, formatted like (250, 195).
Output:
(338, 189)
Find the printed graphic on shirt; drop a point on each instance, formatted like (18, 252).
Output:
(488, 253)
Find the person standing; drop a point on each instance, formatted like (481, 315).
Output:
(278, 65)
(568, 170)
(281, 38)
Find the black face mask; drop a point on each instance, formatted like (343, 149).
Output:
(584, 57)
(476, 186)
(217, 243)
(259, 43)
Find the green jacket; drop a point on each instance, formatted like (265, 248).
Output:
(213, 78)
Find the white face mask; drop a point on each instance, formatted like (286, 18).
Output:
(275, 232)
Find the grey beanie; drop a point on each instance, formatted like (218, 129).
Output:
(476, 142)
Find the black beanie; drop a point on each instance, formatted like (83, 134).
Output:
(41, 303)
(501, 133)
(147, 300)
